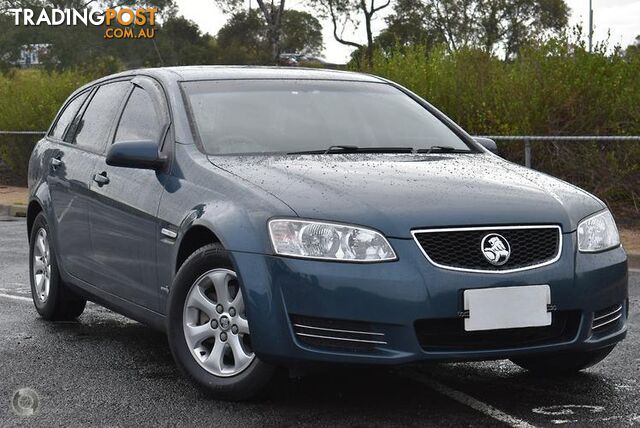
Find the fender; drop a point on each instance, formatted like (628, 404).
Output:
(234, 228)
(222, 224)
(235, 211)
(235, 215)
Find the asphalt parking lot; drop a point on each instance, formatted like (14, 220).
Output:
(107, 370)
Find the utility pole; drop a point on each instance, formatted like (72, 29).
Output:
(590, 26)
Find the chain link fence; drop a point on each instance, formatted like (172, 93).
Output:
(15, 149)
(22, 132)
(528, 139)
(608, 166)
(525, 139)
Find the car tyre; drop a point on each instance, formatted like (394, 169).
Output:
(224, 367)
(53, 299)
(565, 363)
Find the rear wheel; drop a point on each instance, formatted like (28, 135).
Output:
(52, 298)
(566, 363)
(209, 333)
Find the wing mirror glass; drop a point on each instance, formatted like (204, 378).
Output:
(141, 154)
(487, 143)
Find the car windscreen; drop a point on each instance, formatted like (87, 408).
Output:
(284, 116)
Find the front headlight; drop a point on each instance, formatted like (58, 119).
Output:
(329, 241)
(598, 233)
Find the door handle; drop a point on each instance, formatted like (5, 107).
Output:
(55, 163)
(101, 179)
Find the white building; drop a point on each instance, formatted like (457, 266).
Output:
(32, 55)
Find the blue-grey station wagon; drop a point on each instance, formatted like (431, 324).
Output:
(268, 218)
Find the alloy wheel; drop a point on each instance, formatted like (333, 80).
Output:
(41, 265)
(215, 325)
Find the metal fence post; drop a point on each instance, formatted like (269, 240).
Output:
(527, 153)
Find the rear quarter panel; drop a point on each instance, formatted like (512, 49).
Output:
(36, 177)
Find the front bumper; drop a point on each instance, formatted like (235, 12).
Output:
(392, 297)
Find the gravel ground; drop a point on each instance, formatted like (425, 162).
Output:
(631, 240)
(11, 195)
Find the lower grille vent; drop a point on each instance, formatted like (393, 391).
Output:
(448, 334)
(606, 318)
(336, 334)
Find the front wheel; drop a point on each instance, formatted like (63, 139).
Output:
(208, 331)
(565, 363)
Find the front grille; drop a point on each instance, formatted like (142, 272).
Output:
(606, 319)
(531, 246)
(448, 334)
(336, 334)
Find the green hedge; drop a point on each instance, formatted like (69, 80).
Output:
(29, 99)
(555, 88)
(15, 151)
(551, 89)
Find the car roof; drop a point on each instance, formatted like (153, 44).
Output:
(213, 72)
(222, 72)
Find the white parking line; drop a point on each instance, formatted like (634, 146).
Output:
(11, 296)
(469, 401)
(634, 270)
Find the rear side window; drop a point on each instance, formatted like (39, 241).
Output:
(99, 116)
(67, 115)
(140, 120)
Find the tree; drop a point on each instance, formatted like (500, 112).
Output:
(491, 25)
(301, 33)
(497, 24)
(634, 48)
(179, 41)
(351, 12)
(271, 13)
(244, 39)
(408, 26)
(519, 21)
(79, 46)
(455, 20)
(11, 39)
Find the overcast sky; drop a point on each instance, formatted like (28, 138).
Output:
(619, 17)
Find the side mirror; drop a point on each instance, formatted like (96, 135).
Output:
(487, 143)
(141, 154)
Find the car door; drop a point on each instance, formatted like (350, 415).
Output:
(68, 175)
(125, 202)
(71, 171)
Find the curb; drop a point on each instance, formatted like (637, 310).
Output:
(13, 210)
(633, 259)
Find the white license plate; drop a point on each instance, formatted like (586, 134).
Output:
(507, 307)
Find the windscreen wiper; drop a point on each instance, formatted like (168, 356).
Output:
(442, 149)
(354, 149)
(342, 148)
